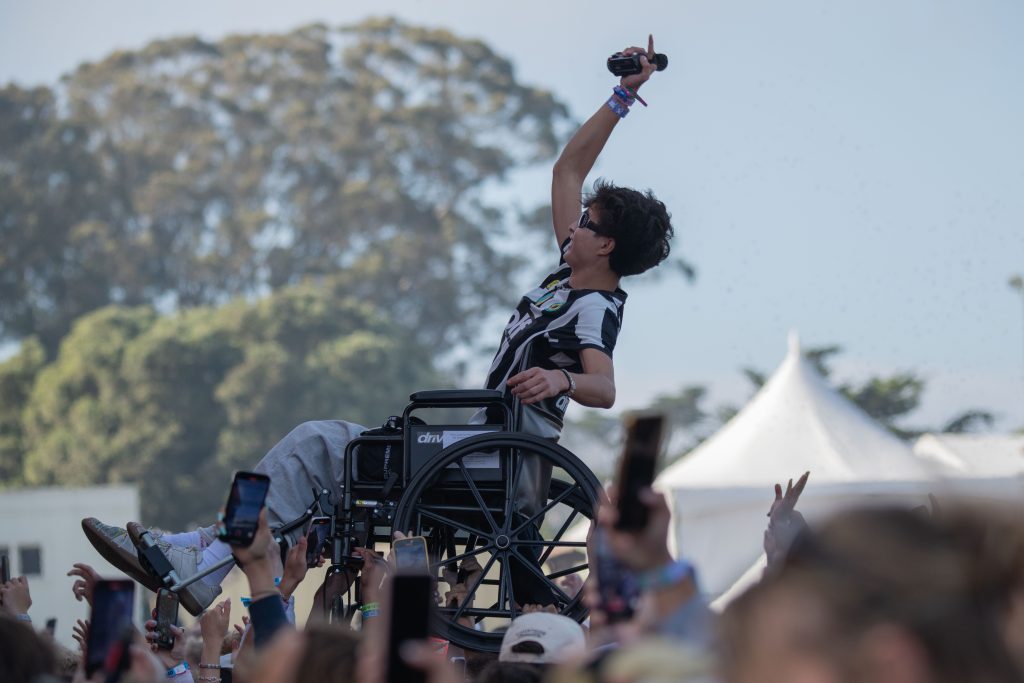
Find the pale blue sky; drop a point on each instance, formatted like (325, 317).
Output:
(853, 170)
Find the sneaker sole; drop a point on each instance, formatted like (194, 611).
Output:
(185, 596)
(118, 556)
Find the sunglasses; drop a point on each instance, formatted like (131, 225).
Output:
(585, 222)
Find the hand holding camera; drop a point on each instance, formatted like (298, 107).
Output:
(634, 65)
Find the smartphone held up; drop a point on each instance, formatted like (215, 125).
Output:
(166, 617)
(242, 512)
(637, 468)
(110, 626)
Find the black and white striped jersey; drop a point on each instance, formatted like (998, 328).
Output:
(556, 322)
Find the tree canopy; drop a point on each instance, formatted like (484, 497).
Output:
(176, 403)
(188, 172)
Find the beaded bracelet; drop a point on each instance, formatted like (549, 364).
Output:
(209, 679)
(208, 666)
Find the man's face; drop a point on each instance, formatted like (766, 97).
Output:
(586, 241)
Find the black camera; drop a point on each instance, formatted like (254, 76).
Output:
(627, 65)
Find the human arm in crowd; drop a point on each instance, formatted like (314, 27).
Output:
(16, 598)
(294, 572)
(214, 626)
(266, 609)
(784, 522)
(579, 155)
(671, 604)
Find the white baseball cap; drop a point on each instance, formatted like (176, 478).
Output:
(560, 639)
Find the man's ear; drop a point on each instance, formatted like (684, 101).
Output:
(607, 247)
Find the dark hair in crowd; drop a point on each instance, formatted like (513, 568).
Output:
(895, 566)
(330, 655)
(24, 656)
(640, 225)
(511, 672)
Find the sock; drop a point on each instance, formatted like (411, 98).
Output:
(184, 539)
(200, 538)
(213, 554)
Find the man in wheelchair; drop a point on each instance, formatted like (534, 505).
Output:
(569, 323)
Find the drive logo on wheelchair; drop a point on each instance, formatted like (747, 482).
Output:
(430, 437)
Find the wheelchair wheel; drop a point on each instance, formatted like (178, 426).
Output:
(463, 514)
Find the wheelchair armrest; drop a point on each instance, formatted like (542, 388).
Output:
(456, 397)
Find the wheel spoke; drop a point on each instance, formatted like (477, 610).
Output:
(555, 544)
(507, 576)
(558, 536)
(540, 575)
(452, 523)
(476, 494)
(503, 570)
(510, 498)
(547, 508)
(471, 553)
(472, 591)
(571, 570)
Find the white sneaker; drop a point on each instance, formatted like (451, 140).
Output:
(119, 547)
(197, 596)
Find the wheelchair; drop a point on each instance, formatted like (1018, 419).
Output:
(458, 486)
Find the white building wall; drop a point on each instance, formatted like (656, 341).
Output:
(50, 518)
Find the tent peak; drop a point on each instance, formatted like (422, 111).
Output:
(794, 343)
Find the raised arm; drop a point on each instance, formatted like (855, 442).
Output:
(582, 151)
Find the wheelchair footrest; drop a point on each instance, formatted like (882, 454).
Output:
(154, 561)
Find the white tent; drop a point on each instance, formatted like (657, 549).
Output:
(721, 492)
(973, 456)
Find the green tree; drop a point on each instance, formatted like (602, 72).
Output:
(175, 403)
(17, 375)
(188, 172)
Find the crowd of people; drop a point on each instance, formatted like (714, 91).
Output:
(882, 593)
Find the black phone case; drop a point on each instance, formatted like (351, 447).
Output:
(412, 600)
(636, 472)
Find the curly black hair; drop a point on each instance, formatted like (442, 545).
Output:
(638, 222)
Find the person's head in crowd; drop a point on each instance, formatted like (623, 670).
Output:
(511, 672)
(542, 638)
(882, 595)
(318, 654)
(651, 659)
(992, 540)
(24, 656)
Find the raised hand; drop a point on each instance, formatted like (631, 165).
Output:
(168, 658)
(15, 595)
(80, 632)
(784, 522)
(634, 81)
(294, 568)
(647, 548)
(86, 581)
(215, 622)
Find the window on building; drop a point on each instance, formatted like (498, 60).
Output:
(30, 560)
